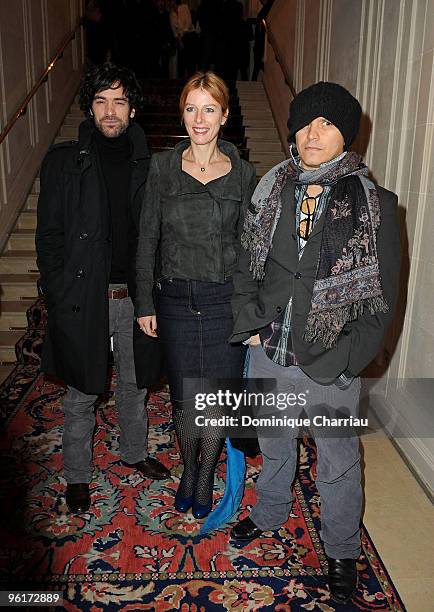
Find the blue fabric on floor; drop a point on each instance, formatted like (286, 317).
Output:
(234, 489)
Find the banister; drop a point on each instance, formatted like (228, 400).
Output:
(42, 79)
(279, 58)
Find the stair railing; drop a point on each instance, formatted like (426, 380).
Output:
(279, 58)
(22, 109)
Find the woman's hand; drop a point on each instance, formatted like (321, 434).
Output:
(255, 340)
(148, 325)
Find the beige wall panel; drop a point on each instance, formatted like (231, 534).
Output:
(18, 146)
(379, 144)
(311, 25)
(390, 36)
(13, 54)
(418, 158)
(420, 13)
(281, 95)
(26, 47)
(36, 17)
(420, 361)
(282, 20)
(426, 251)
(344, 43)
(412, 210)
(425, 89)
(60, 78)
(59, 22)
(428, 43)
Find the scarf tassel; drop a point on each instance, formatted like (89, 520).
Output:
(327, 325)
(257, 259)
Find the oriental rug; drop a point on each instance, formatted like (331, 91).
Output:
(132, 550)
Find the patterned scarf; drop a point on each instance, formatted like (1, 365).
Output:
(348, 275)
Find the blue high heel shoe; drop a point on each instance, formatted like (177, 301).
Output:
(200, 511)
(182, 504)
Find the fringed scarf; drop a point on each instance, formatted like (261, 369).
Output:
(348, 275)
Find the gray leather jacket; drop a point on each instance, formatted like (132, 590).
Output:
(187, 229)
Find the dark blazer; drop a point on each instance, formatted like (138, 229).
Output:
(256, 304)
(73, 243)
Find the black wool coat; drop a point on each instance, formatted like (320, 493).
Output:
(73, 244)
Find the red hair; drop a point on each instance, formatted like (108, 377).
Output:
(209, 82)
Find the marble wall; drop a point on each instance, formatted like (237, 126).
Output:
(383, 52)
(31, 31)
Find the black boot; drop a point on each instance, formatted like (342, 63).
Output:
(77, 497)
(342, 579)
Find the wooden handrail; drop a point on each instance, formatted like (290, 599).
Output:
(279, 58)
(42, 79)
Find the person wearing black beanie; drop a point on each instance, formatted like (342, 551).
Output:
(328, 100)
(315, 291)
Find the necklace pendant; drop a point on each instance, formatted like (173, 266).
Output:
(202, 169)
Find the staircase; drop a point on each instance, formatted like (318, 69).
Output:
(251, 127)
(18, 278)
(262, 137)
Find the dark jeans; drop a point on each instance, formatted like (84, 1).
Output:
(194, 321)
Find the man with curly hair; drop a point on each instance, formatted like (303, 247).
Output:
(86, 240)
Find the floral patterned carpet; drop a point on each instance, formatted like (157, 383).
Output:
(132, 550)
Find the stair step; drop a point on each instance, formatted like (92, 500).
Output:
(15, 262)
(262, 169)
(27, 220)
(263, 123)
(249, 86)
(32, 201)
(70, 131)
(258, 113)
(266, 134)
(75, 111)
(268, 163)
(36, 187)
(8, 340)
(72, 120)
(63, 139)
(271, 146)
(19, 286)
(252, 104)
(5, 370)
(22, 240)
(13, 315)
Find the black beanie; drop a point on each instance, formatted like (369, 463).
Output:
(328, 100)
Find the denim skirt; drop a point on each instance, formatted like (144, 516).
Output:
(194, 320)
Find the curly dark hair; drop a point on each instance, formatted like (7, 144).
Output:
(107, 76)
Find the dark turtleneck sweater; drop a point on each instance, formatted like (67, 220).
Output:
(114, 155)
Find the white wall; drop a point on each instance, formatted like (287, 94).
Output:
(383, 52)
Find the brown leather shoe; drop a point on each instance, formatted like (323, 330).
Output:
(150, 468)
(77, 497)
(342, 579)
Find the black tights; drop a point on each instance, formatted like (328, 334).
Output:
(199, 454)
